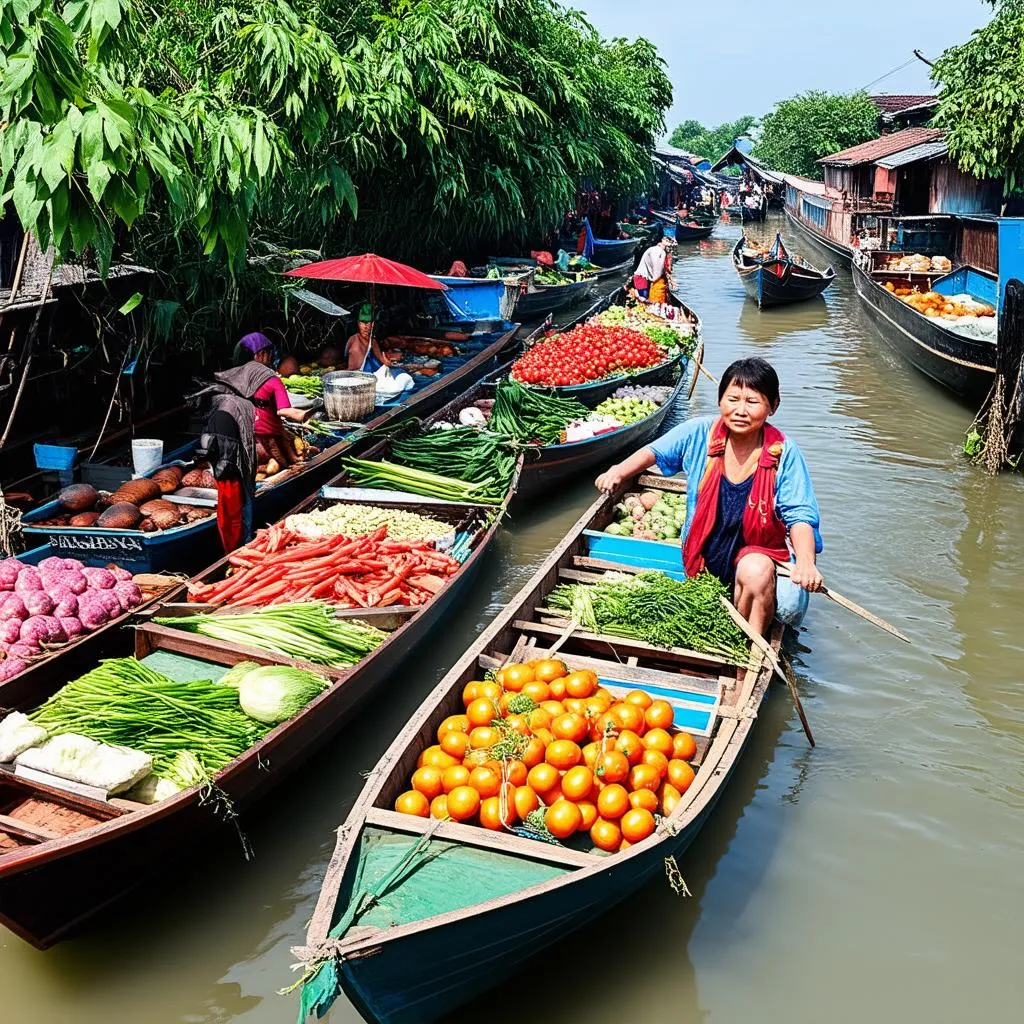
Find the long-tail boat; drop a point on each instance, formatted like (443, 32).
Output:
(418, 915)
(776, 277)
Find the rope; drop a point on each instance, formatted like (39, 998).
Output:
(10, 528)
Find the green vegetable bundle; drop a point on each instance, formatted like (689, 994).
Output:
(390, 475)
(301, 384)
(532, 414)
(309, 631)
(628, 410)
(127, 704)
(657, 609)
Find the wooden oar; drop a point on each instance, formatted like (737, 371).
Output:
(698, 360)
(766, 649)
(850, 606)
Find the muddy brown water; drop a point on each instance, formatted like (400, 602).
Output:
(876, 878)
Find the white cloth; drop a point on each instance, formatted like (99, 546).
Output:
(652, 265)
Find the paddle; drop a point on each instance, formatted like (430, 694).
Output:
(766, 649)
(851, 606)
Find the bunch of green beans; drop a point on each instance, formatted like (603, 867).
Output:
(310, 631)
(532, 414)
(477, 456)
(417, 481)
(122, 702)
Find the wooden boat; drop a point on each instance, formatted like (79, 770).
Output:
(616, 273)
(692, 231)
(778, 278)
(611, 252)
(753, 213)
(64, 857)
(965, 365)
(186, 548)
(841, 255)
(416, 916)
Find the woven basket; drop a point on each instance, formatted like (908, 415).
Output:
(349, 394)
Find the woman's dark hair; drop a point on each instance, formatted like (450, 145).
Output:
(755, 373)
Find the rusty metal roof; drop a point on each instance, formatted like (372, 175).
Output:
(876, 149)
(924, 151)
(893, 104)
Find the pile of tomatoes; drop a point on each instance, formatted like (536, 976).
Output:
(589, 352)
(553, 749)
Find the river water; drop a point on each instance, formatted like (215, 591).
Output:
(874, 878)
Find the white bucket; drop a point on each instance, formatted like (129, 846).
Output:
(147, 454)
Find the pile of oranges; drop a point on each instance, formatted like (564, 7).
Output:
(553, 749)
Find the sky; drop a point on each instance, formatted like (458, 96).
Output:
(725, 62)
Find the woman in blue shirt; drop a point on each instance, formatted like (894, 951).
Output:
(749, 498)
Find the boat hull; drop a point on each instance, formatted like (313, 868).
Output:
(686, 233)
(841, 255)
(779, 282)
(612, 253)
(965, 366)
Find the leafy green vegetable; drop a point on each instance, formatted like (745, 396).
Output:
(274, 693)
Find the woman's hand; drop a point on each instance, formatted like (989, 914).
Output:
(806, 575)
(609, 480)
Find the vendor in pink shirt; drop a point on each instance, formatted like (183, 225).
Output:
(271, 401)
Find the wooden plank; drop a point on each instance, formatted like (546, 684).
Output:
(622, 644)
(676, 484)
(25, 830)
(627, 673)
(474, 835)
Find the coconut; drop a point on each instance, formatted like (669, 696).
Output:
(78, 497)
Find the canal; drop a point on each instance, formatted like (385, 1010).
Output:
(874, 878)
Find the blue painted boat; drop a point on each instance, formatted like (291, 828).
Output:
(778, 278)
(416, 916)
(186, 548)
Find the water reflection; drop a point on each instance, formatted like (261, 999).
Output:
(768, 325)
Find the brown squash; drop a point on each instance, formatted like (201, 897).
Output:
(168, 479)
(122, 515)
(84, 519)
(78, 497)
(138, 492)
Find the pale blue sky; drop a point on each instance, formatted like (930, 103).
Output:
(725, 62)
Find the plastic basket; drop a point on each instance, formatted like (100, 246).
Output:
(349, 394)
(54, 456)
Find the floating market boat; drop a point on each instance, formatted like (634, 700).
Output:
(417, 915)
(965, 363)
(694, 229)
(611, 252)
(777, 278)
(186, 547)
(66, 852)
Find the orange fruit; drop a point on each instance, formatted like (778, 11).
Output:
(456, 775)
(658, 739)
(455, 743)
(536, 689)
(604, 695)
(538, 719)
(684, 747)
(429, 781)
(630, 744)
(589, 812)
(482, 711)
(624, 845)
(548, 669)
(575, 705)
(680, 774)
(644, 776)
(668, 796)
(413, 802)
(542, 778)
(519, 724)
(569, 727)
(489, 691)
(439, 807)
(605, 835)
(557, 689)
(515, 772)
(591, 752)
(515, 677)
(594, 707)
(563, 754)
(534, 753)
(581, 683)
(641, 699)
(436, 758)
(525, 801)
(490, 814)
(656, 759)
(463, 803)
(485, 781)
(612, 801)
(636, 824)
(645, 798)
(659, 715)
(505, 700)
(470, 692)
(483, 737)
(476, 758)
(577, 783)
(613, 766)
(453, 723)
(563, 818)
(553, 707)
(629, 716)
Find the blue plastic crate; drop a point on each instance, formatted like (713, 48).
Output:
(644, 554)
(54, 456)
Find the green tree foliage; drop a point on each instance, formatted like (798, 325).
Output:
(205, 138)
(710, 142)
(801, 130)
(981, 98)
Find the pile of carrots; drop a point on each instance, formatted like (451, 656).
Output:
(362, 572)
(554, 751)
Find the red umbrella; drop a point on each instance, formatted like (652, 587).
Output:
(369, 269)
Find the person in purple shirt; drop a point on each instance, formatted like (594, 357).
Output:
(750, 502)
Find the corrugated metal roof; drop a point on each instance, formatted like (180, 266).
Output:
(808, 185)
(876, 149)
(924, 151)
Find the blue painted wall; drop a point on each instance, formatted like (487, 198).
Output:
(1011, 252)
(473, 298)
(969, 281)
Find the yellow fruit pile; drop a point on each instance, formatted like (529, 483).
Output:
(554, 749)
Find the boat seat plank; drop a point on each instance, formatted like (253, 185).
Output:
(624, 672)
(676, 484)
(622, 644)
(473, 835)
(25, 829)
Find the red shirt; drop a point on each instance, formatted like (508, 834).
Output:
(273, 393)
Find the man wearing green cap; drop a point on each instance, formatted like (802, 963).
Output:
(362, 350)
